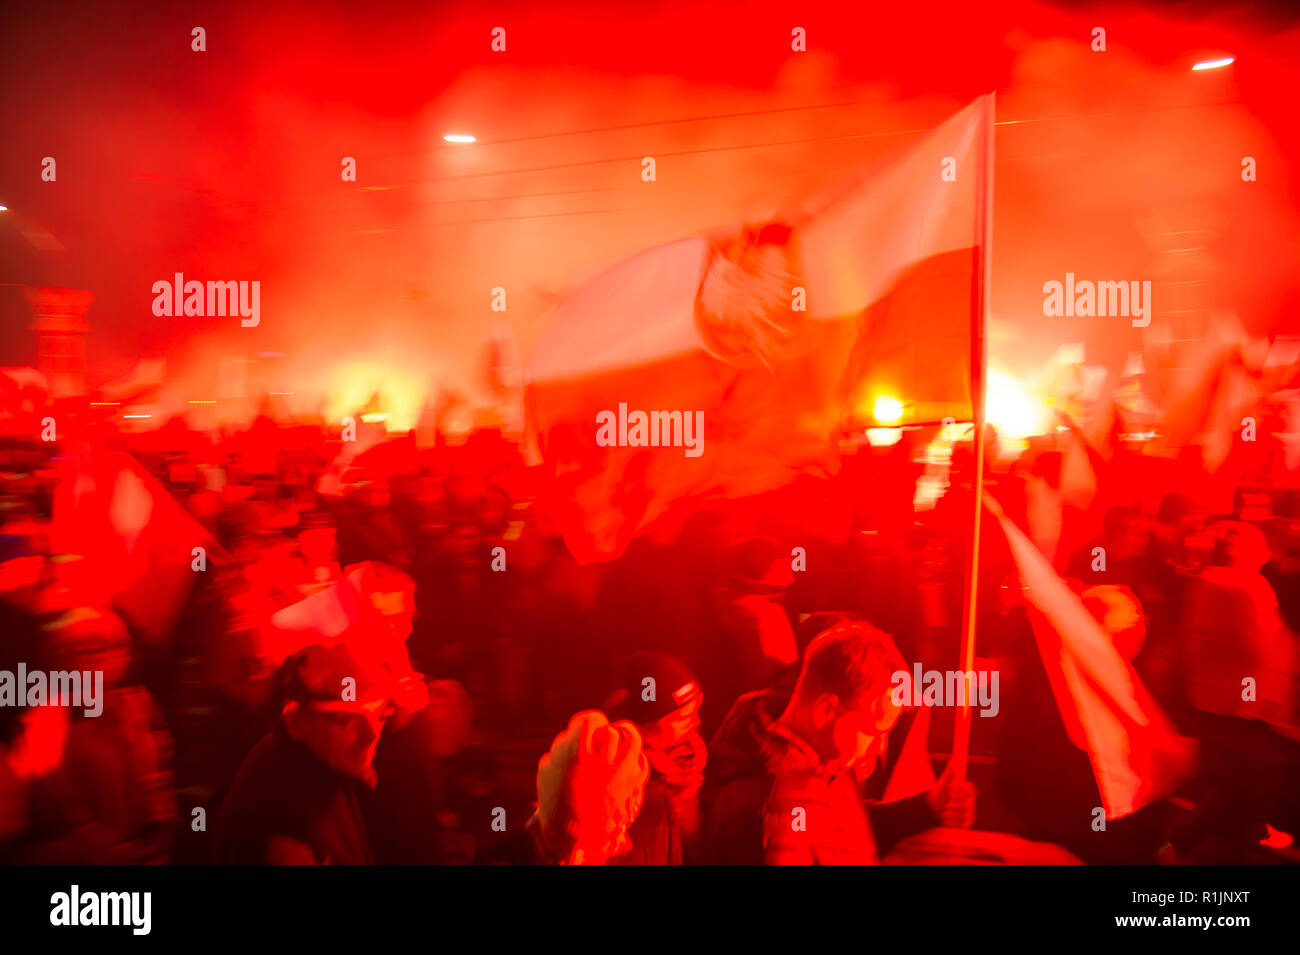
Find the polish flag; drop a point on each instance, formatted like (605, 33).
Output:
(1136, 753)
(781, 335)
(139, 545)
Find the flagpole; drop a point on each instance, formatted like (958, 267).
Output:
(980, 285)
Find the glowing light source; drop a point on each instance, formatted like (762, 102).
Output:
(4, 208)
(350, 387)
(1009, 409)
(1214, 64)
(137, 416)
(888, 410)
(459, 138)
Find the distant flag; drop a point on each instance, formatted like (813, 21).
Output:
(724, 366)
(322, 617)
(1137, 754)
(346, 612)
(1231, 385)
(139, 386)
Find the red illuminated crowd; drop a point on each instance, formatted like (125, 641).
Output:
(701, 699)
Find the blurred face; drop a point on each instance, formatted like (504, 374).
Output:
(668, 731)
(398, 610)
(95, 652)
(343, 735)
(496, 509)
(1130, 538)
(463, 542)
(861, 736)
(1245, 550)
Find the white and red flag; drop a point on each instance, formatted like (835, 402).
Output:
(1136, 752)
(136, 540)
(723, 366)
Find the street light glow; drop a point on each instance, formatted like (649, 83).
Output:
(1213, 64)
(459, 138)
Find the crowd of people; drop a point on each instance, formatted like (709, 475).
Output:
(389, 656)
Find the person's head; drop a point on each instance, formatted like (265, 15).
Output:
(590, 787)
(1174, 506)
(1120, 614)
(336, 705)
(842, 703)
(495, 510)
(1239, 544)
(90, 639)
(661, 696)
(389, 591)
(1125, 532)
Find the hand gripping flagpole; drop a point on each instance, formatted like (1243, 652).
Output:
(980, 284)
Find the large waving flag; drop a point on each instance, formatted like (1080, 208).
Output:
(138, 542)
(1136, 753)
(725, 365)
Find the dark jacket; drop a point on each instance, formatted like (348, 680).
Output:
(655, 834)
(759, 773)
(283, 790)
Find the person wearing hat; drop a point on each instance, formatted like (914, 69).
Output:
(662, 697)
(296, 799)
(590, 788)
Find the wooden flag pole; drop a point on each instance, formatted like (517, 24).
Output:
(979, 312)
